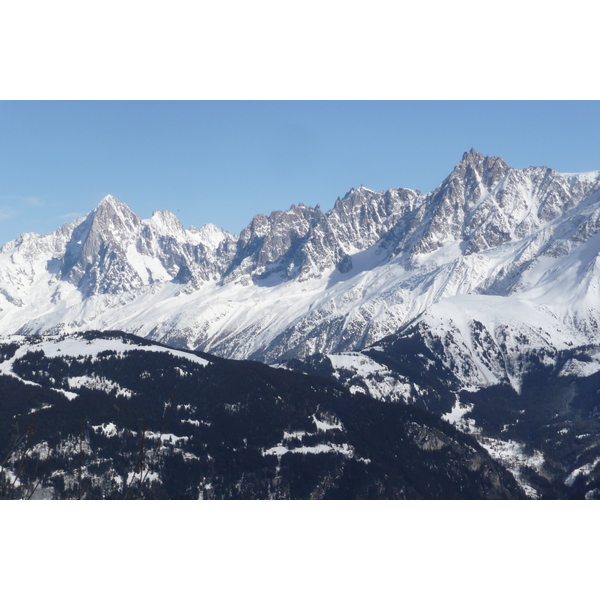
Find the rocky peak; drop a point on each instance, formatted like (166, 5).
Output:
(111, 223)
(165, 223)
(212, 236)
(447, 209)
(354, 196)
(110, 201)
(113, 215)
(98, 243)
(268, 243)
(303, 242)
(474, 167)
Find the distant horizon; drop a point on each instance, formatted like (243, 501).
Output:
(222, 162)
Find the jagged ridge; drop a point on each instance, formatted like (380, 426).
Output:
(302, 281)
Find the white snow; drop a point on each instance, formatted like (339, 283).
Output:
(169, 438)
(374, 379)
(98, 383)
(107, 429)
(145, 476)
(149, 268)
(211, 236)
(276, 451)
(294, 435)
(589, 176)
(43, 407)
(354, 361)
(578, 368)
(74, 348)
(54, 346)
(280, 450)
(514, 456)
(584, 470)
(326, 424)
(458, 412)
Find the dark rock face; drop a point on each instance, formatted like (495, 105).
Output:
(184, 275)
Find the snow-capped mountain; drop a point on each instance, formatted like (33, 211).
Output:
(493, 263)
(477, 302)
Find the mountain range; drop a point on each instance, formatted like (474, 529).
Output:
(515, 250)
(477, 302)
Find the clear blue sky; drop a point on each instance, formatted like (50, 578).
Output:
(223, 162)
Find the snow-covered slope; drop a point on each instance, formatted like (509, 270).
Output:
(505, 259)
